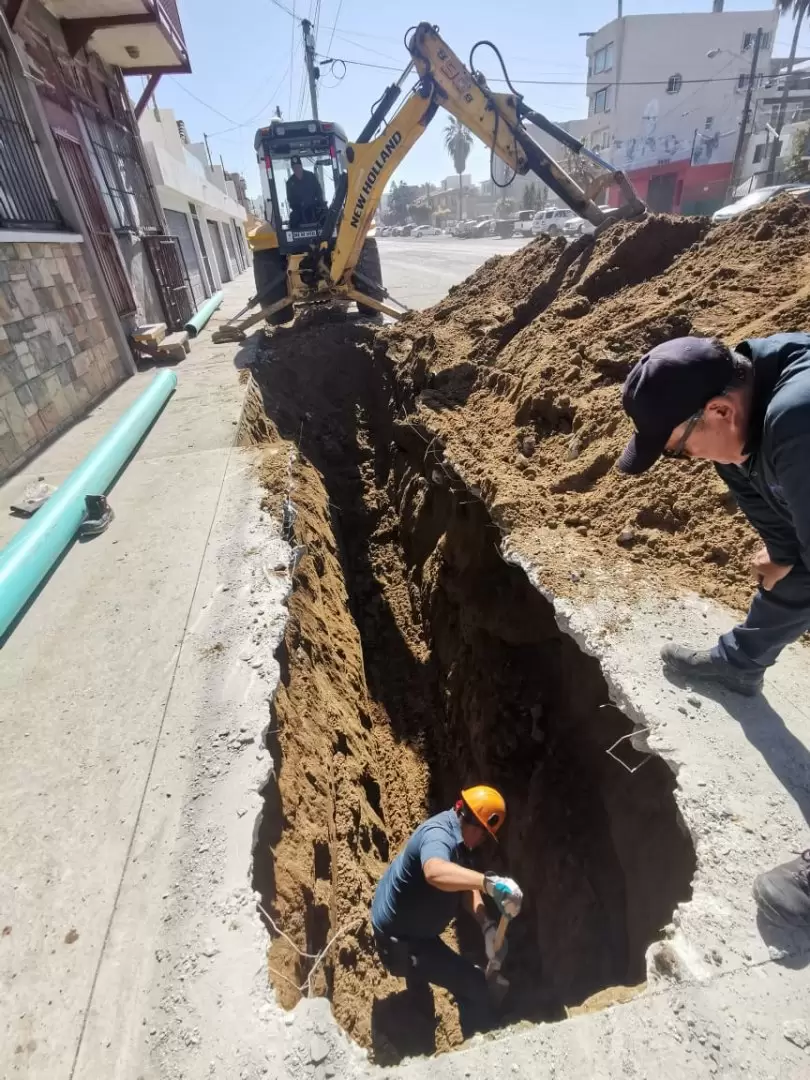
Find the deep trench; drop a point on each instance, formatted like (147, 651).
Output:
(416, 661)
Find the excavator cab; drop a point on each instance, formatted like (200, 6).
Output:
(320, 148)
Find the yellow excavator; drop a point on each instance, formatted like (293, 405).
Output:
(330, 253)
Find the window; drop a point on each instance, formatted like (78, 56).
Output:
(709, 123)
(25, 197)
(601, 101)
(759, 153)
(749, 40)
(120, 173)
(603, 59)
(674, 84)
(743, 79)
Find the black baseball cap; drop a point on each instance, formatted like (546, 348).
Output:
(668, 386)
(295, 160)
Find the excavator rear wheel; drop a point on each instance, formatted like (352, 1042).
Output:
(268, 265)
(369, 266)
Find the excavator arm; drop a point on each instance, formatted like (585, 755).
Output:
(497, 120)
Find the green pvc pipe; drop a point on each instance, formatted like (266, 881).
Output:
(198, 321)
(32, 553)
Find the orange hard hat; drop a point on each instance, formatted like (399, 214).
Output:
(486, 805)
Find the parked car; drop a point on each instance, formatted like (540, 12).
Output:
(504, 227)
(759, 198)
(577, 226)
(426, 230)
(463, 228)
(523, 223)
(396, 230)
(551, 221)
(482, 228)
(407, 229)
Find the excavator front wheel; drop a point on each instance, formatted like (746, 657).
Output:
(267, 268)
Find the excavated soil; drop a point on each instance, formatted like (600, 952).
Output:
(517, 375)
(416, 660)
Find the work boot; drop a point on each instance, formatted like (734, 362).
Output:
(783, 894)
(706, 666)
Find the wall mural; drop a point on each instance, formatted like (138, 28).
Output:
(652, 146)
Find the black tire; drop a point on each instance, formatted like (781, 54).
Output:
(369, 266)
(267, 266)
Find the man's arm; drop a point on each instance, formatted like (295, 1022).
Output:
(792, 465)
(779, 538)
(448, 876)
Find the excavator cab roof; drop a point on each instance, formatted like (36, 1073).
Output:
(285, 139)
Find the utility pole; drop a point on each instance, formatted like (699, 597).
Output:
(208, 151)
(313, 72)
(746, 115)
(776, 145)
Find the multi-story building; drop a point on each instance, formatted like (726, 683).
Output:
(666, 96)
(766, 126)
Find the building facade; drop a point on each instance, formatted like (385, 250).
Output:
(666, 95)
(74, 193)
(200, 203)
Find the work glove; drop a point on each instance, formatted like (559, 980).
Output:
(505, 892)
(490, 930)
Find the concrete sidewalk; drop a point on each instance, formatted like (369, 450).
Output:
(100, 700)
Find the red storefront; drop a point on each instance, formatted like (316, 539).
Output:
(679, 187)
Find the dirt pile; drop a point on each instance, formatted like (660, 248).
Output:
(415, 661)
(517, 373)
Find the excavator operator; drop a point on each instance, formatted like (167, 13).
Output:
(417, 897)
(304, 196)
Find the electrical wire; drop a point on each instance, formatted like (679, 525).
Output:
(546, 82)
(258, 112)
(361, 45)
(334, 27)
(191, 94)
(284, 8)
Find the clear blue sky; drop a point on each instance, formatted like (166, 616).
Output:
(241, 50)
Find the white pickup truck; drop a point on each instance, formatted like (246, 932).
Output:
(523, 223)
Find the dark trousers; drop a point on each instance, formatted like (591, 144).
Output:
(774, 620)
(429, 960)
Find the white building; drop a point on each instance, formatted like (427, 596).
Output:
(765, 124)
(200, 204)
(666, 96)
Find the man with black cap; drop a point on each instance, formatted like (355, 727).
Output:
(746, 409)
(304, 195)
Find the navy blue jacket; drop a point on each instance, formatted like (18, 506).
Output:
(772, 488)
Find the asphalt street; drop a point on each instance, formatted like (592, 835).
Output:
(419, 271)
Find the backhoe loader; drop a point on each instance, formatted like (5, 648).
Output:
(332, 254)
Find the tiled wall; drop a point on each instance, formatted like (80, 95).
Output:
(56, 355)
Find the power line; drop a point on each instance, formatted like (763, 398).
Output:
(258, 112)
(292, 47)
(551, 82)
(186, 90)
(283, 7)
(334, 27)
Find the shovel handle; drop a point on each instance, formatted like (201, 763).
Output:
(500, 933)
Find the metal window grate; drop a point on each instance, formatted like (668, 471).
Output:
(25, 197)
(121, 174)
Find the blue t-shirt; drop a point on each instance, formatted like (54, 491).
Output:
(404, 905)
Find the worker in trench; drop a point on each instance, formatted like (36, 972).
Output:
(747, 409)
(304, 196)
(418, 896)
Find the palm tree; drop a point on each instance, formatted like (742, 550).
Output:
(799, 9)
(458, 143)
